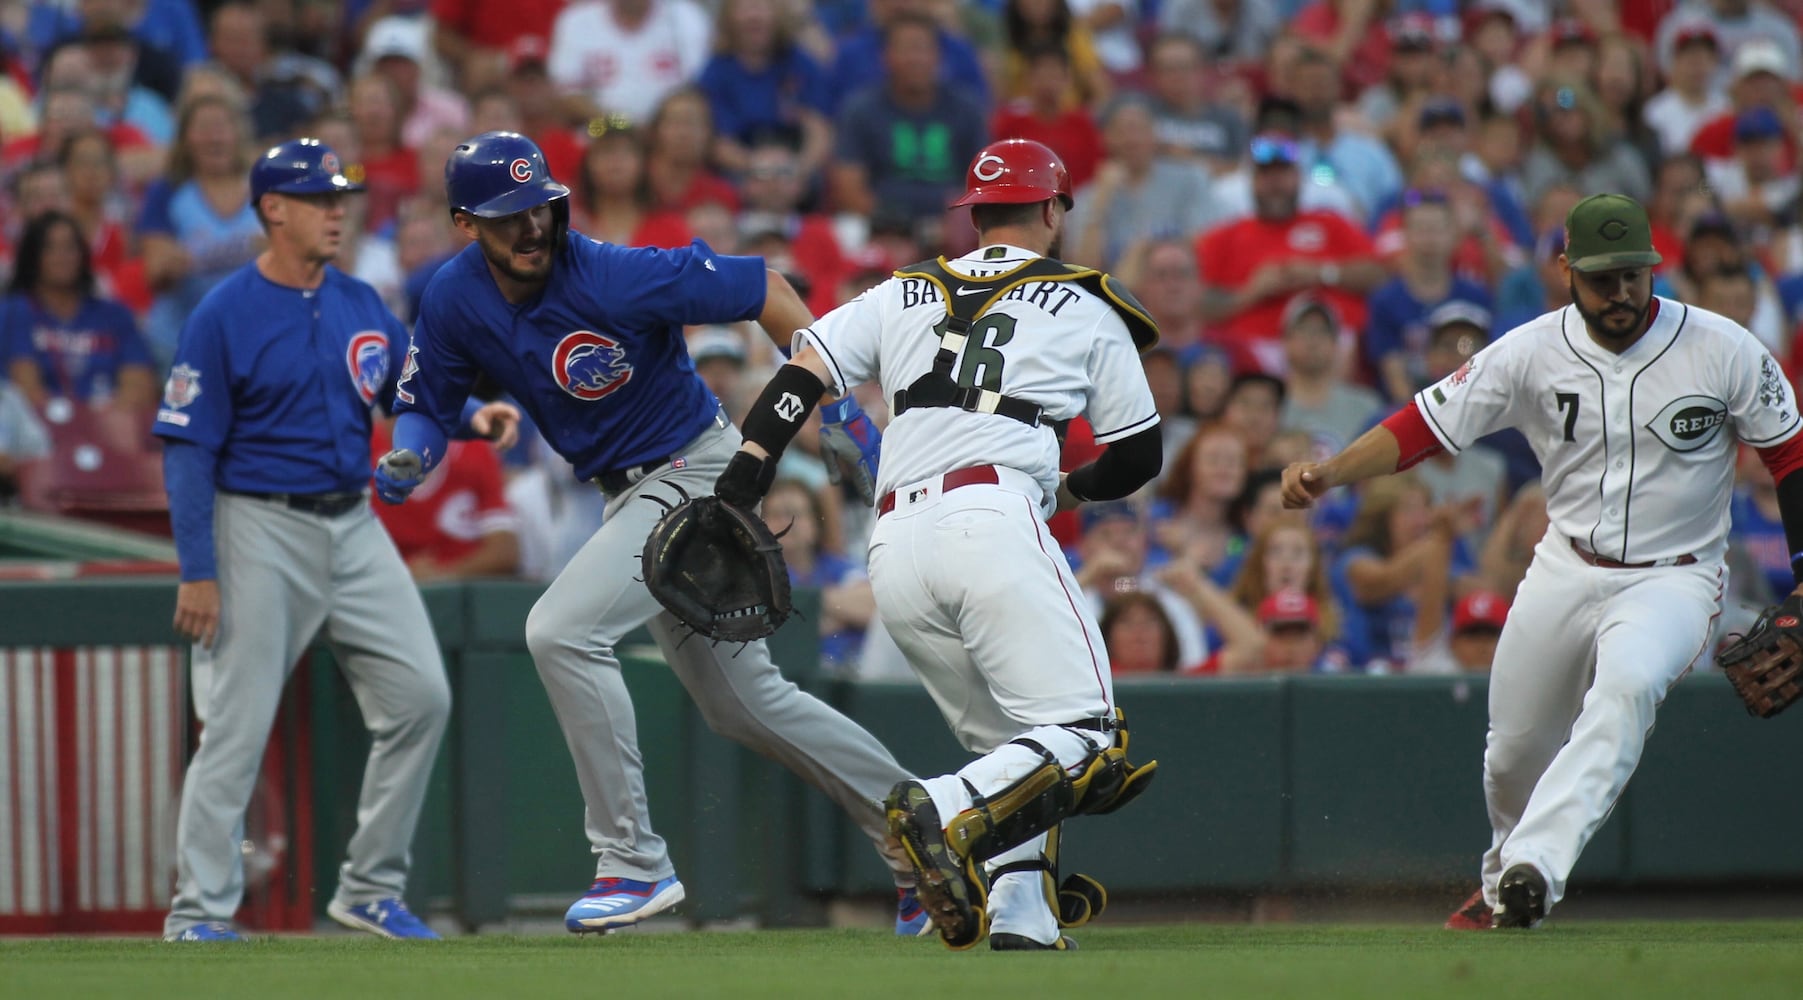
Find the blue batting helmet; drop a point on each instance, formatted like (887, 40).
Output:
(497, 174)
(299, 166)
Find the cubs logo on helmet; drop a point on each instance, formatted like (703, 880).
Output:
(590, 366)
(521, 169)
(368, 360)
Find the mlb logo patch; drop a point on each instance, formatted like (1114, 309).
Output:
(916, 496)
(182, 388)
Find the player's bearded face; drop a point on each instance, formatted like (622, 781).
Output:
(519, 245)
(1613, 303)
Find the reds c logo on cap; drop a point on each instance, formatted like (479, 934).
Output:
(590, 366)
(988, 167)
(521, 169)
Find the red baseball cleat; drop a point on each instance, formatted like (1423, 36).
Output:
(1473, 916)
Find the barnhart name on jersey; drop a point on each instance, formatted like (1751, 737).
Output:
(1637, 449)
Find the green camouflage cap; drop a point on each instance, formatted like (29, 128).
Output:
(1605, 232)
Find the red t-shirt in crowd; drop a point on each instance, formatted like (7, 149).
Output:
(1231, 253)
(391, 180)
(496, 24)
(705, 187)
(1080, 449)
(125, 137)
(563, 154)
(1072, 134)
(461, 501)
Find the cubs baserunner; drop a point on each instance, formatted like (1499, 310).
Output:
(266, 423)
(1635, 406)
(588, 336)
(983, 358)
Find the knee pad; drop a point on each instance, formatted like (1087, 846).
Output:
(1110, 781)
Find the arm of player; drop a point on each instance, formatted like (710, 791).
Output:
(770, 425)
(1377, 452)
(1122, 467)
(188, 470)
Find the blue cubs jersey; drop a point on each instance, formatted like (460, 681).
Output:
(78, 357)
(279, 381)
(597, 359)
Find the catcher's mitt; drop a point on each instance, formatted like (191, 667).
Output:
(719, 569)
(1764, 665)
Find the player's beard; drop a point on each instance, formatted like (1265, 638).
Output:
(1614, 321)
(501, 257)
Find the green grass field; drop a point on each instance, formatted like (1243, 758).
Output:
(1593, 960)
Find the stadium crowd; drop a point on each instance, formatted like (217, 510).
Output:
(1326, 204)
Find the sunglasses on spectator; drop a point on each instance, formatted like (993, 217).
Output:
(1273, 150)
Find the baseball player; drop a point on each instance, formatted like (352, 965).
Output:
(983, 357)
(589, 337)
(266, 422)
(1635, 406)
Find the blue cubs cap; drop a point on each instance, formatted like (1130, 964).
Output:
(497, 174)
(299, 166)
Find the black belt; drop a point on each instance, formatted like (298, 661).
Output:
(1607, 563)
(323, 504)
(618, 480)
(1099, 724)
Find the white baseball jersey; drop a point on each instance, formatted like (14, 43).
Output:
(1048, 342)
(1637, 449)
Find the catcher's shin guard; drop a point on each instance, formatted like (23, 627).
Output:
(1076, 901)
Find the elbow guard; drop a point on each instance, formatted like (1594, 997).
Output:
(1125, 466)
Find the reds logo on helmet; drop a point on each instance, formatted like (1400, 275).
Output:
(521, 169)
(590, 366)
(367, 357)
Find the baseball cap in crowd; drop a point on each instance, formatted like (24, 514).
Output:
(1713, 224)
(1459, 311)
(1302, 305)
(1479, 609)
(527, 52)
(1113, 510)
(1696, 33)
(1269, 149)
(716, 342)
(1609, 231)
(1441, 111)
(1760, 55)
(405, 37)
(1289, 607)
(868, 260)
(1757, 122)
(1571, 31)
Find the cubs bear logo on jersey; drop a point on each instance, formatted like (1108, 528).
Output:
(367, 357)
(589, 365)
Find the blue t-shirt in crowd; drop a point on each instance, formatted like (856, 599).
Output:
(77, 358)
(1398, 322)
(837, 649)
(859, 65)
(1386, 630)
(1763, 538)
(216, 247)
(747, 103)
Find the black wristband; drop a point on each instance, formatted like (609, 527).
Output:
(782, 408)
(1790, 511)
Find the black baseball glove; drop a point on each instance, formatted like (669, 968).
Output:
(1764, 665)
(718, 568)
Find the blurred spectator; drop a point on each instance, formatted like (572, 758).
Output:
(63, 343)
(1231, 31)
(1762, 75)
(391, 170)
(1442, 133)
(91, 180)
(558, 513)
(197, 223)
(1138, 635)
(760, 84)
(1112, 559)
(1397, 333)
(1286, 554)
(1692, 95)
(847, 606)
(719, 355)
(1734, 23)
(1205, 384)
(148, 65)
(771, 190)
(904, 143)
(1041, 113)
(1715, 245)
(1573, 50)
(286, 88)
(170, 28)
(1477, 477)
(1622, 85)
(1757, 531)
(624, 56)
(1358, 161)
(1252, 268)
(612, 196)
(677, 143)
(1163, 275)
(23, 439)
(37, 188)
(1492, 29)
(1539, 287)
(1191, 124)
(456, 525)
(1320, 401)
(1469, 646)
(1235, 642)
(1397, 538)
(540, 110)
(1194, 519)
(1164, 374)
(399, 49)
(1138, 192)
(1254, 401)
(1510, 547)
(479, 39)
(66, 110)
(1732, 292)
(1031, 25)
(862, 61)
(1115, 25)
(1294, 639)
(1681, 193)
(1572, 144)
(1388, 106)
(1757, 183)
(102, 63)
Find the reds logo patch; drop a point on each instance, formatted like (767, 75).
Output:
(520, 169)
(590, 366)
(367, 357)
(1785, 621)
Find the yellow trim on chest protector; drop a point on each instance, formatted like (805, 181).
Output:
(938, 271)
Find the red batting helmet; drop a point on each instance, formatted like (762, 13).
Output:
(1016, 172)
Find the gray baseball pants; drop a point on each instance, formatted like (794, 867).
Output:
(282, 575)
(573, 631)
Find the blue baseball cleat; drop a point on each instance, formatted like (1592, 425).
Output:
(387, 918)
(621, 902)
(911, 918)
(215, 931)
